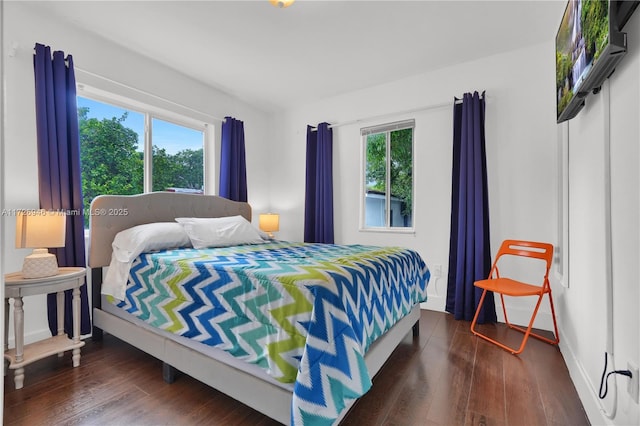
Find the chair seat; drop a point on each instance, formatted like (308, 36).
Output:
(510, 287)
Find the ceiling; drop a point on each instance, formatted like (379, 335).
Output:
(280, 58)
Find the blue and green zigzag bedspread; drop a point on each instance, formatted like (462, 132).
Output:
(305, 313)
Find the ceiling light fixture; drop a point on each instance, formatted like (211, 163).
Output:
(281, 3)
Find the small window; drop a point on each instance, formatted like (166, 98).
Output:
(388, 175)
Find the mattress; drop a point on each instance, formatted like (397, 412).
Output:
(303, 314)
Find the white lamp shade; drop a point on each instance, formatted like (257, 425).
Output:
(269, 222)
(40, 229)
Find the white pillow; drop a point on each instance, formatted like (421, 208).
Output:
(220, 231)
(130, 243)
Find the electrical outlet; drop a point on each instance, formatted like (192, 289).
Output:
(437, 271)
(632, 383)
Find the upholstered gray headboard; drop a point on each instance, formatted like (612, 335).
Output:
(111, 214)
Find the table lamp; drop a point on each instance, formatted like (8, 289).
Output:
(269, 223)
(40, 230)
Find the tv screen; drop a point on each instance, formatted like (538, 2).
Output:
(588, 47)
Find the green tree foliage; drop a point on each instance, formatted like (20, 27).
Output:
(181, 170)
(594, 21)
(164, 170)
(563, 69)
(189, 168)
(109, 158)
(401, 166)
(376, 173)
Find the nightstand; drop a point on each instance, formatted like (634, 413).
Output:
(16, 287)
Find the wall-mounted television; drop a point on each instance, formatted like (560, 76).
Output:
(589, 45)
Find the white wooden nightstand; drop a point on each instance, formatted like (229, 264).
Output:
(16, 287)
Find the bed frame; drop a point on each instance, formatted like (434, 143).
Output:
(111, 214)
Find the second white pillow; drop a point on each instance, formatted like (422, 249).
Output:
(220, 231)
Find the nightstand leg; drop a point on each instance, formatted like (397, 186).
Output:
(6, 333)
(18, 327)
(18, 322)
(76, 325)
(7, 307)
(18, 378)
(60, 315)
(60, 311)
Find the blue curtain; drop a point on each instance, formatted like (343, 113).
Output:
(318, 203)
(469, 250)
(59, 173)
(233, 166)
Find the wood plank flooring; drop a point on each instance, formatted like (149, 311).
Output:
(447, 376)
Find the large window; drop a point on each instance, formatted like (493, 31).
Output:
(388, 175)
(126, 151)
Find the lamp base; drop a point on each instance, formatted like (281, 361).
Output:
(40, 264)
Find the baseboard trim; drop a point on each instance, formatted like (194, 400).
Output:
(586, 391)
(521, 317)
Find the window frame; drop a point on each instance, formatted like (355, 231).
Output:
(386, 128)
(149, 112)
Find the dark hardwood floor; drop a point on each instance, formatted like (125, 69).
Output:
(445, 377)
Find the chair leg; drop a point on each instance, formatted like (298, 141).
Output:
(477, 333)
(527, 332)
(555, 324)
(504, 310)
(475, 317)
(554, 341)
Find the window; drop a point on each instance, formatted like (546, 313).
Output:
(388, 175)
(126, 151)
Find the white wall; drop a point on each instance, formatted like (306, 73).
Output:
(22, 27)
(522, 156)
(521, 151)
(582, 306)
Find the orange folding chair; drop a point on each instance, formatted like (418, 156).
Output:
(510, 287)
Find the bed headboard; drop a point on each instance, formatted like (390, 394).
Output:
(111, 214)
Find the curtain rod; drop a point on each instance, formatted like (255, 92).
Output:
(408, 111)
(374, 117)
(149, 94)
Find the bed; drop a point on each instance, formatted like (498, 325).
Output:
(297, 365)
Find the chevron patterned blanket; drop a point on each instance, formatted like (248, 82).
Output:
(305, 313)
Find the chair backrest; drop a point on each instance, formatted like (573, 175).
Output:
(543, 251)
